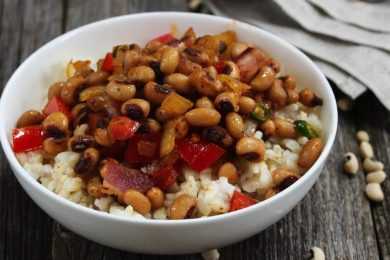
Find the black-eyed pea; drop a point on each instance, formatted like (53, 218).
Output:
(231, 69)
(71, 89)
(179, 82)
(156, 197)
(250, 148)
(362, 136)
(376, 177)
(197, 56)
(204, 102)
(366, 149)
(136, 108)
(189, 37)
(152, 46)
(150, 125)
(226, 102)
(91, 92)
(217, 135)
(181, 207)
(203, 117)
(88, 161)
(229, 171)
(95, 187)
(78, 109)
(289, 82)
(246, 104)
(264, 79)
(284, 128)
(102, 137)
(277, 94)
(142, 74)
(205, 84)
(30, 117)
(374, 192)
(120, 91)
(309, 98)
(310, 152)
(155, 92)
(369, 165)
(270, 193)
(168, 137)
(55, 90)
(186, 66)
(292, 96)
(317, 254)
(138, 201)
(169, 60)
(235, 125)
(98, 103)
(268, 127)
(53, 147)
(283, 178)
(56, 125)
(238, 48)
(96, 78)
(79, 143)
(351, 163)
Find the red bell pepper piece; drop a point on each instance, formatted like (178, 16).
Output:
(132, 155)
(27, 138)
(122, 128)
(57, 105)
(240, 201)
(220, 66)
(108, 63)
(165, 38)
(199, 155)
(165, 177)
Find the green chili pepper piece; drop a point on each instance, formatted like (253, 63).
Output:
(261, 113)
(305, 129)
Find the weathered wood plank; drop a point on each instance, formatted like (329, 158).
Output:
(25, 229)
(375, 119)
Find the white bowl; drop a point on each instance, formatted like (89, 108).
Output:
(27, 89)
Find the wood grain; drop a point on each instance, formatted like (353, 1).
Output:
(335, 215)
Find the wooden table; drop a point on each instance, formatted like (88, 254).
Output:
(335, 215)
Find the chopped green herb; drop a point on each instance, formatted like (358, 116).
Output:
(305, 129)
(262, 112)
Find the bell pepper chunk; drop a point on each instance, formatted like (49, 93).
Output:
(199, 155)
(56, 104)
(165, 38)
(132, 154)
(108, 63)
(220, 66)
(122, 128)
(27, 138)
(240, 201)
(165, 177)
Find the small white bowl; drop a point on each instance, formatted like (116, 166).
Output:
(27, 89)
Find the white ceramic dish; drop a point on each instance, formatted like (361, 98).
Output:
(27, 89)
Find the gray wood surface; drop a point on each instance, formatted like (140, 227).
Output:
(335, 215)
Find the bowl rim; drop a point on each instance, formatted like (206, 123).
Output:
(65, 203)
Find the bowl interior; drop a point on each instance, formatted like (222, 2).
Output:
(27, 89)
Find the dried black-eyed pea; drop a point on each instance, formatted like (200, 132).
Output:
(53, 147)
(264, 79)
(229, 171)
(55, 89)
(226, 102)
(246, 104)
(96, 78)
(284, 128)
(370, 165)
(376, 177)
(277, 94)
(30, 117)
(238, 48)
(81, 142)
(91, 92)
(156, 197)
(250, 148)
(95, 187)
(268, 127)
(217, 135)
(169, 60)
(179, 82)
(374, 192)
(138, 201)
(362, 136)
(203, 117)
(142, 74)
(181, 207)
(102, 137)
(155, 92)
(136, 108)
(204, 102)
(317, 254)
(310, 152)
(56, 125)
(88, 161)
(120, 91)
(351, 164)
(235, 124)
(309, 98)
(366, 149)
(71, 88)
